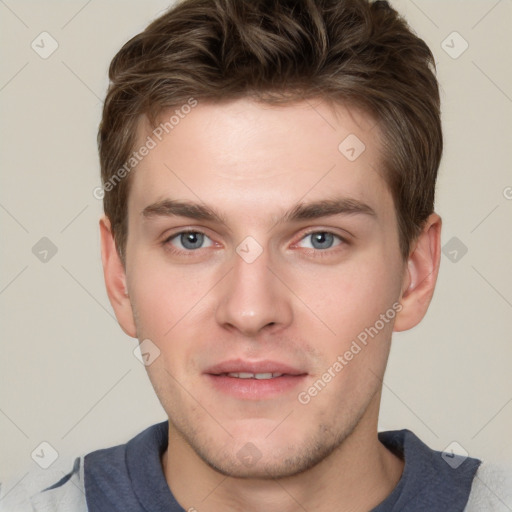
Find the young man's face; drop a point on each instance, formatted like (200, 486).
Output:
(263, 289)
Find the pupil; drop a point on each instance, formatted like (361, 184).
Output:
(322, 240)
(191, 240)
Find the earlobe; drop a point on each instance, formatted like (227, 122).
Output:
(115, 279)
(420, 276)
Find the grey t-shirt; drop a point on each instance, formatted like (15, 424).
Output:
(129, 477)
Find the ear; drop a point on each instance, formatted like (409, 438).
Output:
(420, 276)
(115, 279)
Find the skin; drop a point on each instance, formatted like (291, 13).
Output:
(297, 303)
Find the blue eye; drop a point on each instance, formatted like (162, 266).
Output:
(321, 240)
(190, 240)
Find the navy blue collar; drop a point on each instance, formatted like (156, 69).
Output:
(130, 478)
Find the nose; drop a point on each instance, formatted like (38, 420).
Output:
(253, 298)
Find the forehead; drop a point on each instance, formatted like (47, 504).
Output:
(254, 158)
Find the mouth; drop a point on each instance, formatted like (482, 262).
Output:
(258, 380)
(248, 375)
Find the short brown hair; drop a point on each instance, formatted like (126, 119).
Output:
(355, 52)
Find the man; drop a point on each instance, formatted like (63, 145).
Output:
(269, 172)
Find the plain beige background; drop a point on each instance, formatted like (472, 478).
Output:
(68, 374)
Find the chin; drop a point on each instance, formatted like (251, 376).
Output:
(263, 458)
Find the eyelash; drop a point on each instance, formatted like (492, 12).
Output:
(318, 252)
(187, 253)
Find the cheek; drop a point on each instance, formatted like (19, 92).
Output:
(351, 297)
(164, 296)
(358, 307)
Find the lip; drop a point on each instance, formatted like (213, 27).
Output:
(239, 365)
(251, 388)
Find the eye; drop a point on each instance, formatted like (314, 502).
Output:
(320, 240)
(189, 240)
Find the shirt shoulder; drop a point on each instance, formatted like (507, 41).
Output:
(130, 477)
(431, 479)
(492, 488)
(59, 489)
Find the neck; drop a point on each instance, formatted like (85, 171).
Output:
(357, 476)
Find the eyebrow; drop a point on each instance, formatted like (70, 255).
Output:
(301, 211)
